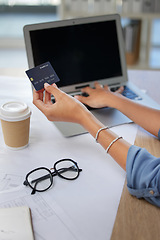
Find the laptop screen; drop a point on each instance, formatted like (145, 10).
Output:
(79, 53)
(81, 50)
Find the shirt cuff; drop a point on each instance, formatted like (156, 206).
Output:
(143, 175)
(159, 134)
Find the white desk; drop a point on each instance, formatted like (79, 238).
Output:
(82, 209)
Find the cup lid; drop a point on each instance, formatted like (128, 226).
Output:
(14, 111)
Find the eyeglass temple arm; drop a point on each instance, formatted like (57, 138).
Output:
(34, 189)
(43, 178)
(53, 174)
(62, 170)
(37, 179)
(36, 182)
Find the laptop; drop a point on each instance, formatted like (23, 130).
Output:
(83, 51)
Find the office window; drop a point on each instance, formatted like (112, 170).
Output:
(14, 14)
(29, 2)
(155, 45)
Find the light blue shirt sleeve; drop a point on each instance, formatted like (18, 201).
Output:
(159, 134)
(143, 175)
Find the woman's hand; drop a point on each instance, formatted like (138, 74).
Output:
(65, 108)
(99, 96)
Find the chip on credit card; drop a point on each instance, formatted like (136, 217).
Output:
(41, 74)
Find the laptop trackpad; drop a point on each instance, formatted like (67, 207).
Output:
(108, 116)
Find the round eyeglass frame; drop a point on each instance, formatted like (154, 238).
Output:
(51, 174)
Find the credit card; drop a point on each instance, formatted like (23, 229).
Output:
(41, 74)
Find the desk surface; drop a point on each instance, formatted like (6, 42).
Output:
(127, 220)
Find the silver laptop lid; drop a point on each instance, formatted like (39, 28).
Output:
(80, 50)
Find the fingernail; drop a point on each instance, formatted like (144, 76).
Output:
(46, 85)
(77, 97)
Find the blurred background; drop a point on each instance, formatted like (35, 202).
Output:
(140, 22)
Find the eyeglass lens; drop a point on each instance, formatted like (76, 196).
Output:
(40, 179)
(67, 169)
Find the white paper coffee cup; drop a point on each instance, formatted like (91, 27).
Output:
(15, 121)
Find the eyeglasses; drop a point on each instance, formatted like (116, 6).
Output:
(41, 179)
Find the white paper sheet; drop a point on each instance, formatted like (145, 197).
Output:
(90, 202)
(47, 217)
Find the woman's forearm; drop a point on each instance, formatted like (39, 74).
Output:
(146, 117)
(101, 96)
(118, 150)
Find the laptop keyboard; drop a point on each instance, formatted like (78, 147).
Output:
(127, 92)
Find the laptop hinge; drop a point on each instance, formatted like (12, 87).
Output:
(82, 86)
